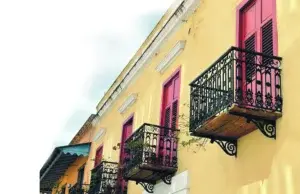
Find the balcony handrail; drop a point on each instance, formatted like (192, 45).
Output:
(197, 86)
(228, 80)
(153, 125)
(160, 126)
(255, 53)
(151, 148)
(96, 168)
(227, 53)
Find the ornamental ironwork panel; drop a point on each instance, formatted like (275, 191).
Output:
(104, 179)
(226, 82)
(151, 145)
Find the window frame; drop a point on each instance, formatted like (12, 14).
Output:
(95, 162)
(165, 83)
(239, 10)
(83, 171)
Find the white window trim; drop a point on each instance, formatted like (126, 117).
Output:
(171, 56)
(128, 103)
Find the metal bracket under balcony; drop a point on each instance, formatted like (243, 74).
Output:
(149, 185)
(266, 126)
(151, 155)
(239, 93)
(228, 145)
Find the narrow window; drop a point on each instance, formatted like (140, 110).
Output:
(257, 32)
(170, 102)
(126, 132)
(169, 119)
(256, 26)
(80, 176)
(98, 156)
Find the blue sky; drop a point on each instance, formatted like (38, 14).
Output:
(114, 51)
(100, 52)
(59, 57)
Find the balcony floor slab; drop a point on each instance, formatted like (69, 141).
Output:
(234, 122)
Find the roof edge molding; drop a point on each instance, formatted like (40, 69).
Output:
(171, 56)
(128, 102)
(182, 9)
(84, 129)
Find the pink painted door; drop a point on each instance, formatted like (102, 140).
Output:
(126, 132)
(257, 35)
(98, 156)
(167, 144)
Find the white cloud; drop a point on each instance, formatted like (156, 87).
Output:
(50, 56)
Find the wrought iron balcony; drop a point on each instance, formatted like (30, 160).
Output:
(79, 189)
(237, 94)
(105, 179)
(151, 155)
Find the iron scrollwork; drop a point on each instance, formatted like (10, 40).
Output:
(167, 179)
(225, 83)
(267, 127)
(104, 178)
(228, 146)
(154, 146)
(147, 186)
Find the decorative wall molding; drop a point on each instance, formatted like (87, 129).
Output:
(180, 11)
(171, 56)
(99, 134)
(128, 102)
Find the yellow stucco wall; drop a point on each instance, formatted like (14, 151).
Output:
(263, 166)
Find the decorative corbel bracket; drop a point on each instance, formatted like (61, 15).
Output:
(267, 127)
(147, 186)
(228, 146)
(167, 179)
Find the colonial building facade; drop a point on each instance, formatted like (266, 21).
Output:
(208, 104)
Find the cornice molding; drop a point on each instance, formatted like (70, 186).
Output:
(84, 129)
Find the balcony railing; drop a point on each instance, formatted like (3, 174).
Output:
(240, 82)
(105, 179)
(151, 155)
(79, 189)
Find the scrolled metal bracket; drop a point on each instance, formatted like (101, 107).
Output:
(267, 127)
(147, 186)
(167, 179)
(228, 146)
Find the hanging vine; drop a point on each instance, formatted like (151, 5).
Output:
(185, 139)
